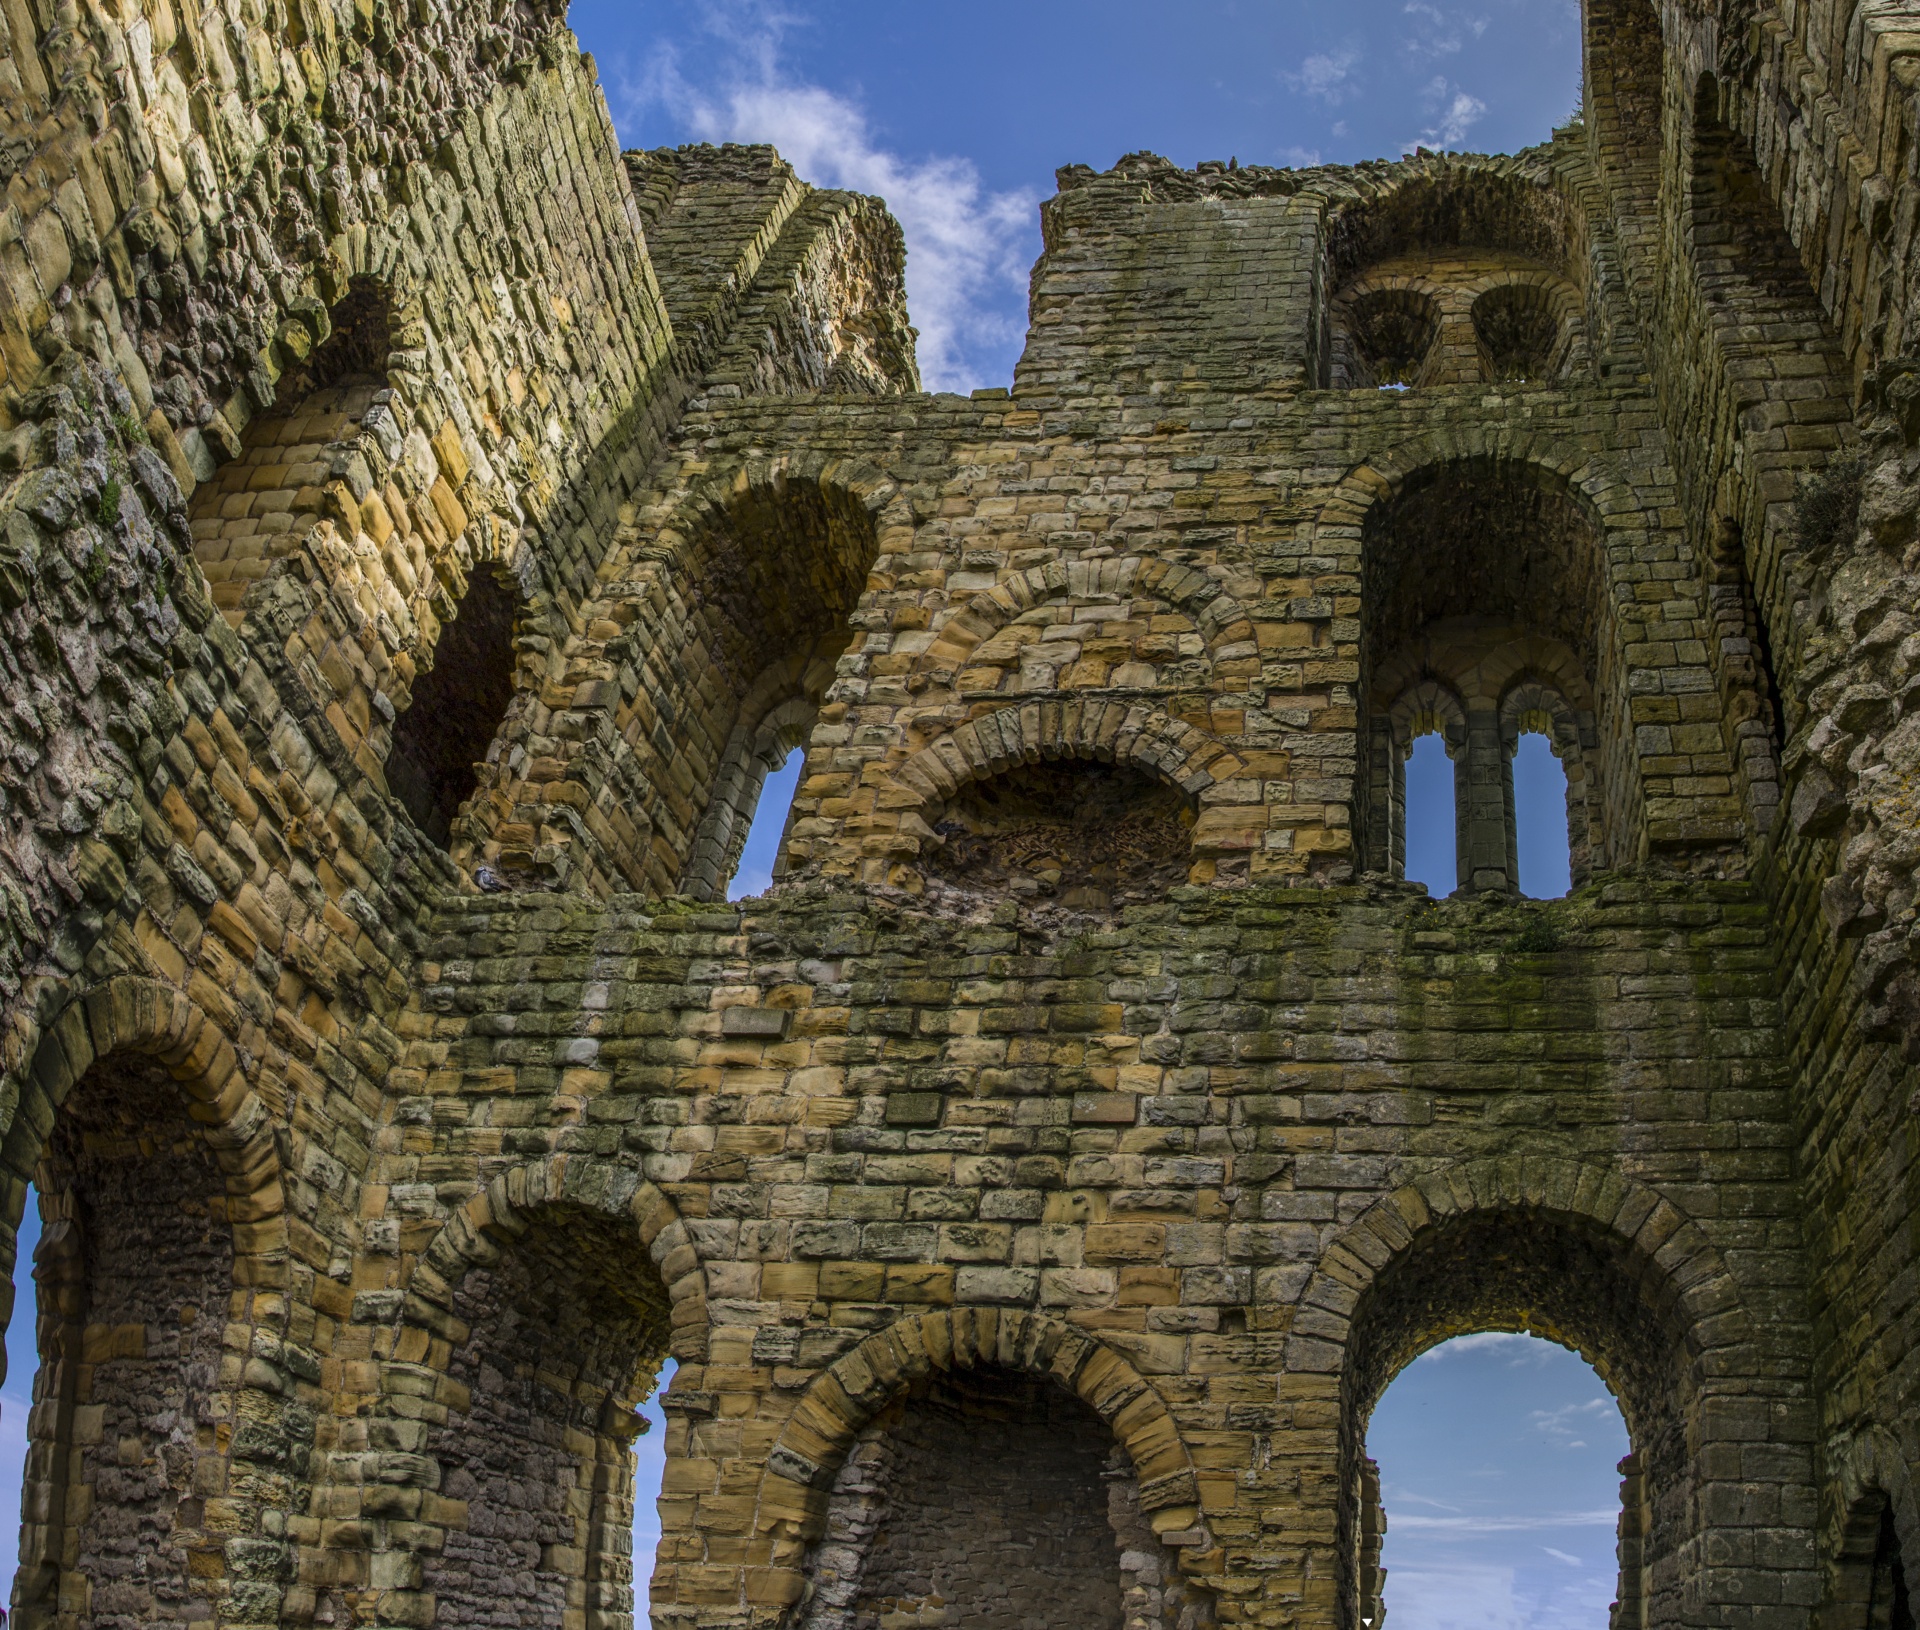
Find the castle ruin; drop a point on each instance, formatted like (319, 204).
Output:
(421, 528)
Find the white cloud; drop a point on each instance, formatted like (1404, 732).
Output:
(1563, 1556)
(968, 248)
(1479, 1342)
(1326, 74)
(1562, 1426)
(1301, 158)
(1476, 1527)
(1458, 112)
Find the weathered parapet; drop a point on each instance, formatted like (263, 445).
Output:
(1183, 1144)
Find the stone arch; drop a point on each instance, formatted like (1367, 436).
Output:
(1579, 501)
(540, 1459)
(715, 585)
(1538, 702)
(1870, 1490)
(1408, 243)
(1424, 704)
(1583, 1255)
(1221, 618)
(1112, 732)
(792, 1499)
(130, 1017)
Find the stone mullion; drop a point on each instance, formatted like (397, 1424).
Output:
(1487, 841)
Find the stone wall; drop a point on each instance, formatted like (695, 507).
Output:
(421, 528)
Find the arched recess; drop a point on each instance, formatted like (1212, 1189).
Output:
(1584, 1256)
(1117, 819)
(1408, 263)
(1425, 705)
(1464, 561)
(716, 589)
(530, 1330)
(1767, 357)
(153, 1467)
(1870, 1536)
(806, 1477)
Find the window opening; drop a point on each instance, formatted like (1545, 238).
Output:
(1502, 1464)
(1540, 819)
(754, 874)
(16, 1392)
(649, 1473)
(1433, 853)
(456, 708)
(1890, 1606)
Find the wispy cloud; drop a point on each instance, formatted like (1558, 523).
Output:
(1457, 111)
(1567, 1557)
(1481, 1341)
(1328, 75)
(1563, 1426)
(968, 247)
(1433, 32)
(1474, 1527)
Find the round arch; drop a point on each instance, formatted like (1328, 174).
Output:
(1869, 1479)
(501, 1212)
(1223, 621)
(1112, 732)
(570, 1408)
(131, 1015)
(1581, 1254)
(791, 1503)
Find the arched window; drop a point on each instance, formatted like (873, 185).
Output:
(557, 1340)
(1500, 1458)
(1542, 853)
(134, 1274)
(456, 707)
(1432, 831)
(760, 854)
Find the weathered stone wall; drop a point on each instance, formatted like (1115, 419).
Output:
(422, 527)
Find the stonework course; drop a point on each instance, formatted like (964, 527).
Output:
(423, 527)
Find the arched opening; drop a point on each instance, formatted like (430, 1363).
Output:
(456, 707)
(1500, 1458)
(1478, 573)
(1388, 337)
(1742, 253)
(1889, 1602)
(1457, 275)
(132, 1418)
(16, 1390)
(1432, 825)
(1562, 1277)
(556, 1341)
(1520, 332)
(1869, 1581)
(737, 671)
(1543, 850)
(256, 508)
(992, 1499)
(1088, 835)
(759, 860)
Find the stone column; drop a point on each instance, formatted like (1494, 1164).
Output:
(1486, 806)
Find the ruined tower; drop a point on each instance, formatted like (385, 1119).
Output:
(423, 526)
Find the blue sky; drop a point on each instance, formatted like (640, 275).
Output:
(958, 115)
